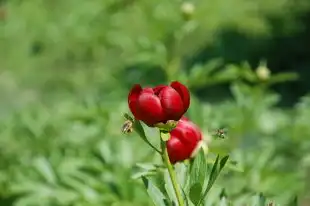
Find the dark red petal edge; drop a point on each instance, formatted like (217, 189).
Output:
(158, 88)
(133, 98)
(184, 93)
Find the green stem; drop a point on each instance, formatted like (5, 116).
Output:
(171, 172)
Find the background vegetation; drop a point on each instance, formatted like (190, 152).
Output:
(67, 66)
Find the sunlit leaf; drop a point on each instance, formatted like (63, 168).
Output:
(198, 169)
(156, 195)
(45, 169)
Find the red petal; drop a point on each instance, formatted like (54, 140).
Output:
(172, 103)
(187, 132)
(148, 90)
(183, 92)
(177, 150)
(191, 129)
(149, 108)
(158, 88)
(184, 140)
(133, 99)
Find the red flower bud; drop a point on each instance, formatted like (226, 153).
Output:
(184, 141)
(159, 104)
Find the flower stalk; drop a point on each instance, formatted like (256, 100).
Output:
(171, 171)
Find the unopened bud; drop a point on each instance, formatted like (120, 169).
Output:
(263, 72)
(187, 9)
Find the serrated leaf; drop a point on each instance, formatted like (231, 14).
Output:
(195, 193)
(156, 195)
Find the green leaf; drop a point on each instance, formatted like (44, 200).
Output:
(142, 169)
(139, 129)
(169, 186)
(248, 73)
(283, 77)
(181, 171)
(201, 75)
(231, 72)
(156, 195)
(147, 166)
(294, 202)
(216, 169)
(198, 169)
(231, 165)
(140, 174)
(185, 197)
(261, 200)
(128, 117)
(223, 162)
(195, 193)
(45, 169)
(223, 202)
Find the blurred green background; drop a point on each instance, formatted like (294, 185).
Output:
(67, 66)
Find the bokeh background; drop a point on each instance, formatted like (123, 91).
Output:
(67, 66)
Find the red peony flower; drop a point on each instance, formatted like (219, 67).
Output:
(159, 104)
(184, 141)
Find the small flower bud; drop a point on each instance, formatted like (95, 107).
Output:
(263, 72)
(187, 9)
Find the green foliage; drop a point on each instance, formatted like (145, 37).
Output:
(156, 195)
(67, 66)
